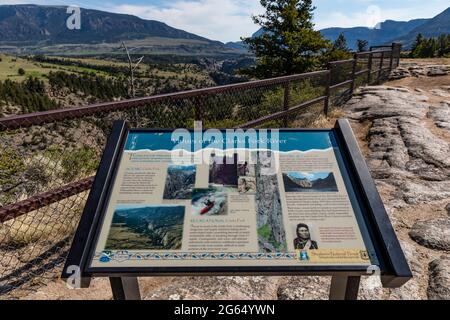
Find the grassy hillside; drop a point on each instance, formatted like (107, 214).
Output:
(10, 65)
(67, 81)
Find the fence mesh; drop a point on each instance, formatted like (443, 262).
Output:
(46, 169)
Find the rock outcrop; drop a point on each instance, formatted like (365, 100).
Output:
(439, 281)
(415, 70)
(408, 152)
(403, 151)
(406, 148)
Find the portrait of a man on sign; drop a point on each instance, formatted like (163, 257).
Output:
(303, 240)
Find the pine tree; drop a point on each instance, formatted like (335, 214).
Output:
(362, 45)
(416, 46)
(341, 43)
(288, 44)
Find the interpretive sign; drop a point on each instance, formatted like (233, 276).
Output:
(234, 201)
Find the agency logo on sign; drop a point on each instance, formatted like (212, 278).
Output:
(303, 255)
(364, 255)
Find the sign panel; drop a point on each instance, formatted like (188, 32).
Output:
(254, 198)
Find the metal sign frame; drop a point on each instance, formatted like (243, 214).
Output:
(393, 268)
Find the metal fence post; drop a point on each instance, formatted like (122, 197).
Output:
(355, 61)
(287, 88)
(326, 103)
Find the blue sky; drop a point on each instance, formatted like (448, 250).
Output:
(228, 20)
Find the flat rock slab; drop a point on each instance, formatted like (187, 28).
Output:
(439, 279)
(433, 234)
(217, 288)
(304, 288)
(384, 102)
(440, 93)
(404, 150)
(441, 115)
(415, 70)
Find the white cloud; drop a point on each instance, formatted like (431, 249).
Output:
(224, 20)
(374, 14)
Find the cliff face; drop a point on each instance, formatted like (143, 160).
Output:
(271, 234)
(327, 183)
(179, 184)
(224, 172)
(290, 182)
(33, 23)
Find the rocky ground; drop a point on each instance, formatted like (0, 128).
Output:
(403, 128)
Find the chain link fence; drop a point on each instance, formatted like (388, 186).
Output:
(48, 159)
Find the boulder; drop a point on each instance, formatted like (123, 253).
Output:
(433, 234)
(437, 72)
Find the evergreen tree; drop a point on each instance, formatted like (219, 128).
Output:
(288, 44)
(416, 45)
(362, 45)
(443, 45)
(341, 43)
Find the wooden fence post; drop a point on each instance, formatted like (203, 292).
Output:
(369, 75)
(381, 66)
(355, 61)
(287, 88)
(391, 62)
(326, 103)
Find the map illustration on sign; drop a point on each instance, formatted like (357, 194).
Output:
(243, 205)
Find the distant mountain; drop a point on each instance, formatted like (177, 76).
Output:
(292, 184)
(431, 28)
(384, 33)
(35, 29)
(240, 44)
(388, 31)
(27, 24)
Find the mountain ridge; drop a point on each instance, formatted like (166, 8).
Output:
(42, 28)
(387, 32)
(32, 24)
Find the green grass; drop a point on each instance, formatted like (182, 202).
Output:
(264, 231)
(9, 68)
